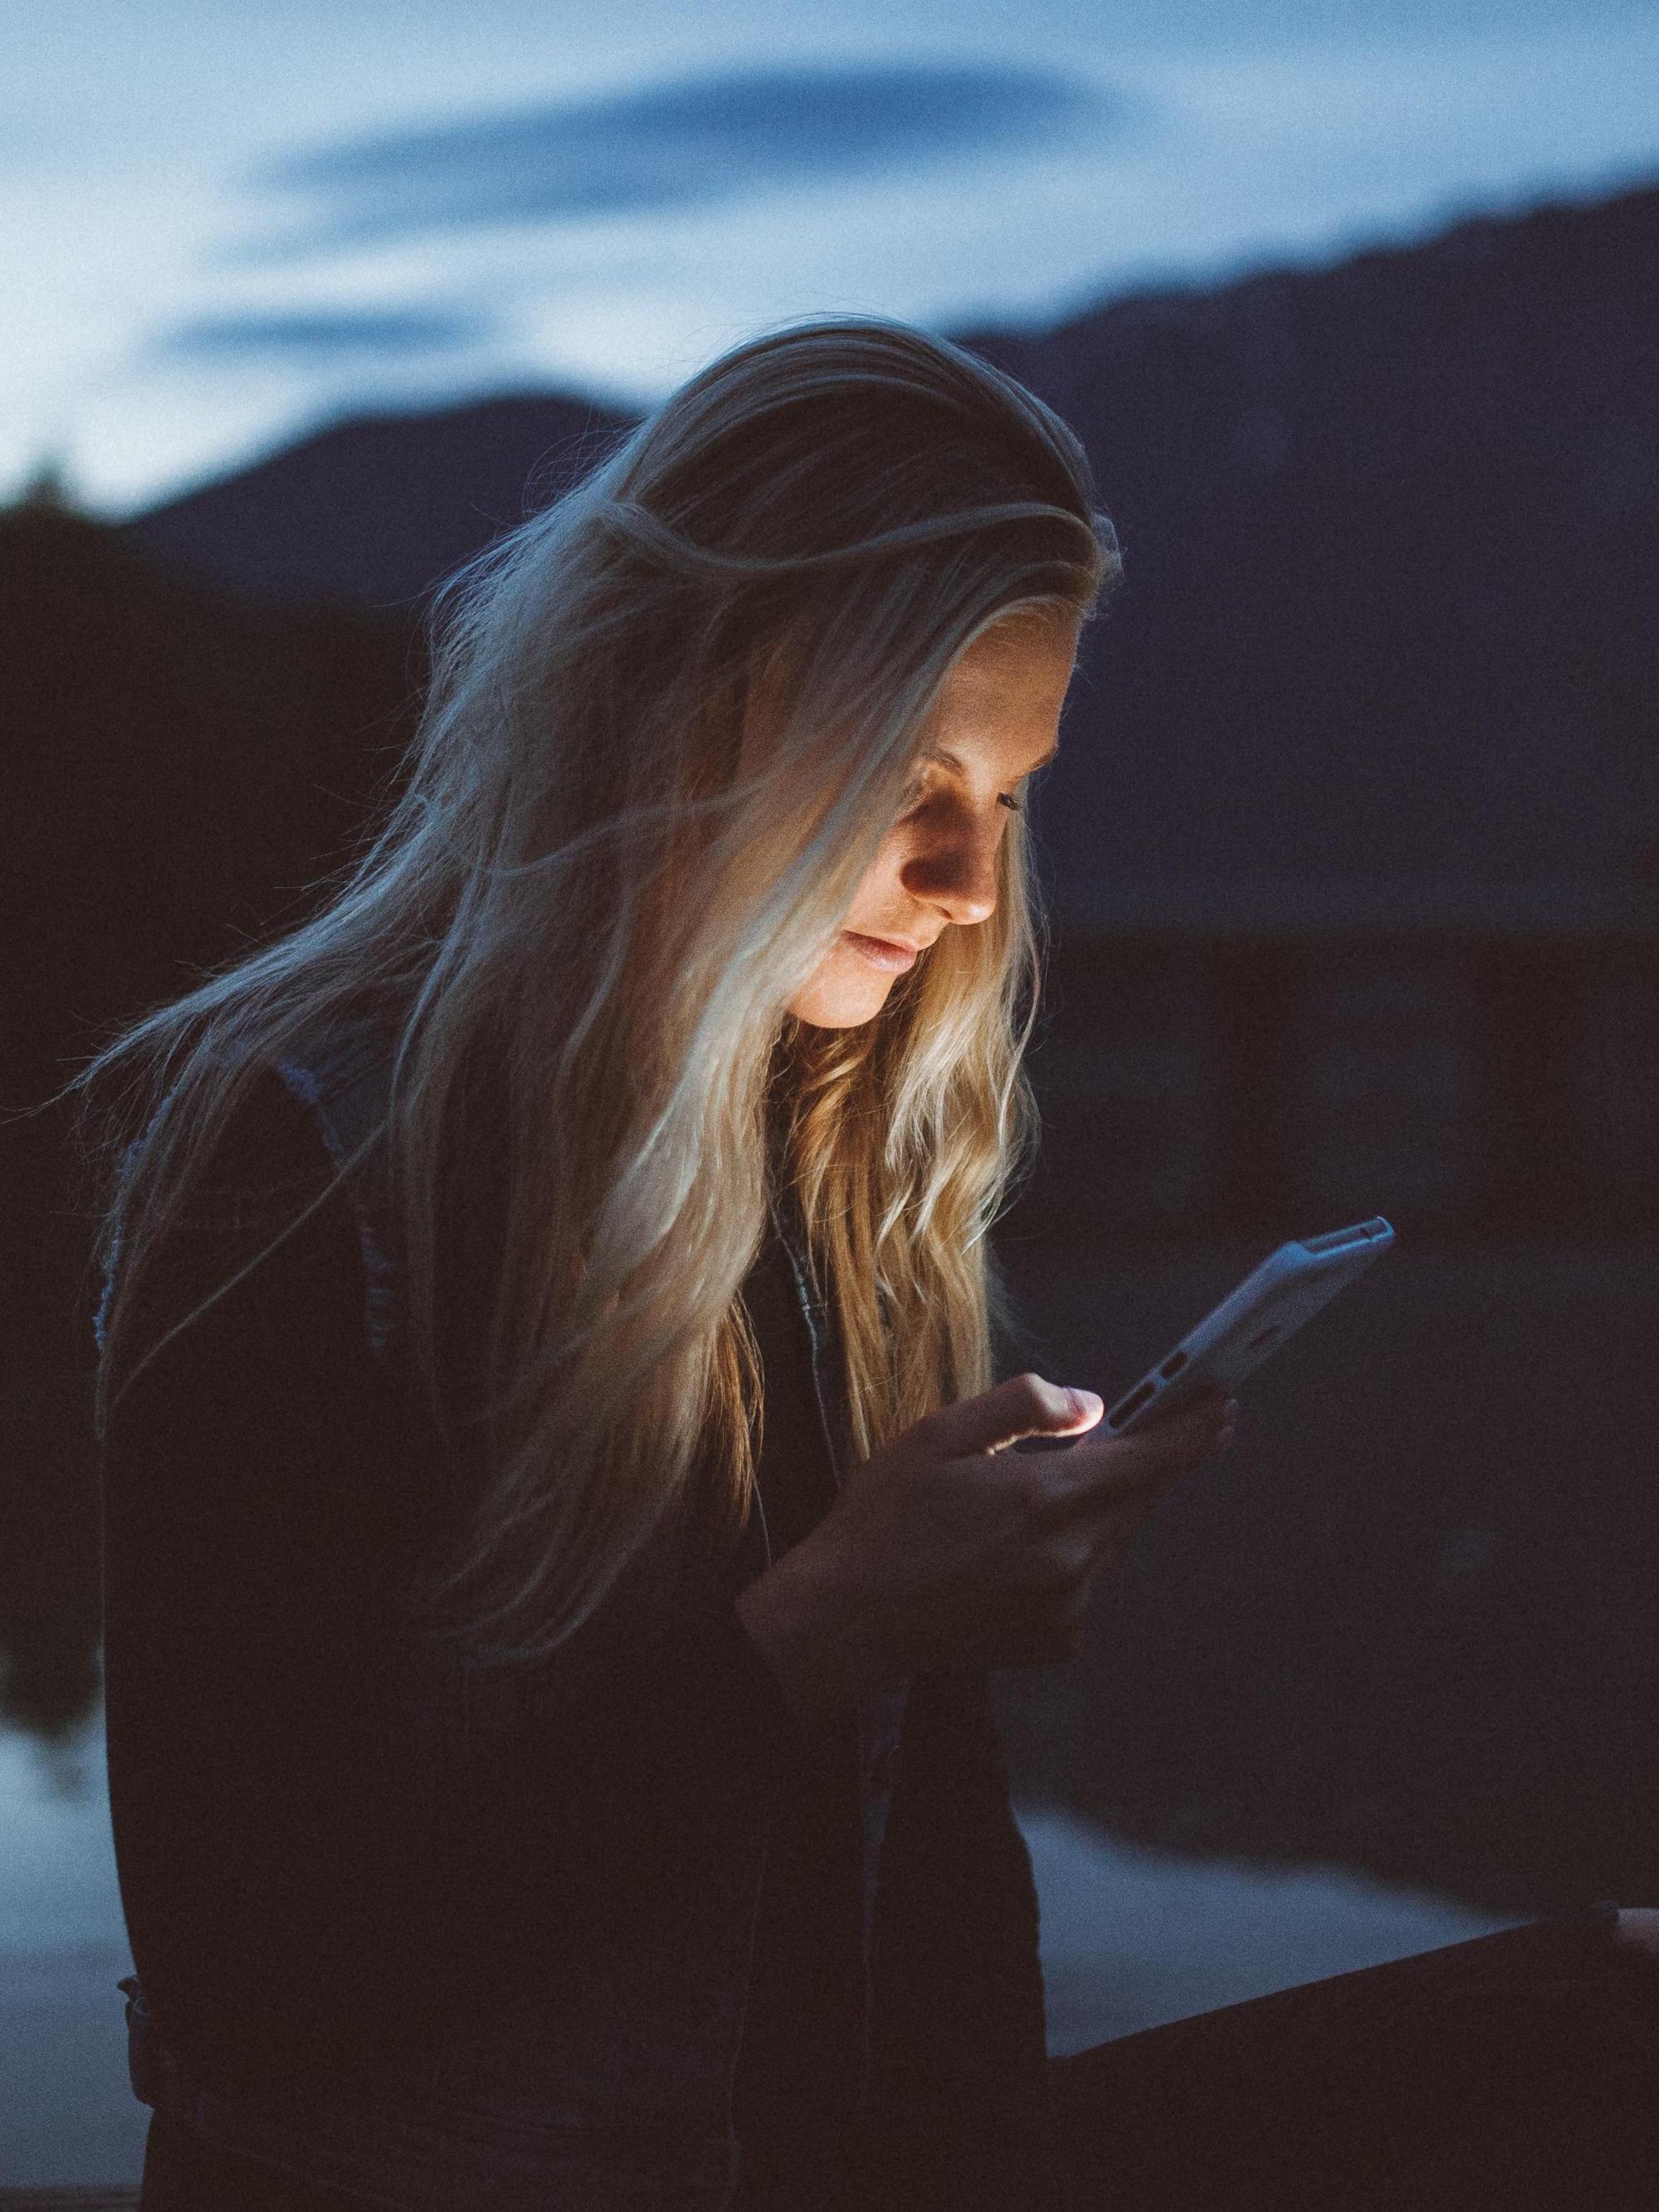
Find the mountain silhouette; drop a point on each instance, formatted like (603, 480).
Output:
(1390, 531)
(374, 511)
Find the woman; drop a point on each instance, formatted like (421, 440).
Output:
(558, 1513)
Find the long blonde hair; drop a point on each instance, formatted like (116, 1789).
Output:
(605, 857)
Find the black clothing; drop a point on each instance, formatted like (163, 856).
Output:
(799, 2064)
(268, 1489)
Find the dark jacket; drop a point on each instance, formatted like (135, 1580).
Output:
(468, 1939)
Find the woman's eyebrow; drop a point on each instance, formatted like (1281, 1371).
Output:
(953, 760)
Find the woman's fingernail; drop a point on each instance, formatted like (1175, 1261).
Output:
(1084, 1401)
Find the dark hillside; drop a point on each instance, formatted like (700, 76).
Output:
(376, 510)
(1391, 534)
(178, 767)
(1390, 530)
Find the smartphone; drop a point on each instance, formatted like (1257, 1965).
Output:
(1247, 1328)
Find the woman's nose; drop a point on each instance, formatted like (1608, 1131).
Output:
(958, 875)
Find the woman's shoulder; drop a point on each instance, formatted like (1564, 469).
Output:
(263, 1191)
(303, 1118)
(340, 1071)
(262, 1160)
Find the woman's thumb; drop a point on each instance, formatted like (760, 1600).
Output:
(1024, 1406)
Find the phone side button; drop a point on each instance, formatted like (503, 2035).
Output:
(1127, 1408)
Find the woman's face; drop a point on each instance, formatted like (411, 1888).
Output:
(995, 722)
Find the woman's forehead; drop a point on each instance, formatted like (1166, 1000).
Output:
(1020, 671)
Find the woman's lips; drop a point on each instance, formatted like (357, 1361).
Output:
(880, 952)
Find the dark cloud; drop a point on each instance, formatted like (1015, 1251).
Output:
(681, 144)
(323, 336)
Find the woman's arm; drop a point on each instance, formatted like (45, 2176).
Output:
(259, 1508)
(269, 1494)
(258, 1495)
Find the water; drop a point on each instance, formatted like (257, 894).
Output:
(67, 2111)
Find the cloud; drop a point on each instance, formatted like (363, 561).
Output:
(680, 144)
(322, 338)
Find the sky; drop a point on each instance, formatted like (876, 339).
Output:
(227, 227)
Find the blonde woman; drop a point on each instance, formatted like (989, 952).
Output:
(558, 1507)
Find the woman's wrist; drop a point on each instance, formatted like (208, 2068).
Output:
(810, 1639)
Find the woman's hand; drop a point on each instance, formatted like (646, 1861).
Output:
(945, 1550)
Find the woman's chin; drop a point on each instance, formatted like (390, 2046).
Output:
(846, 992)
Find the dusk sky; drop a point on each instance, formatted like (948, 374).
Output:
(220, 227)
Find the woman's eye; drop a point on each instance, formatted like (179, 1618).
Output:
(917, 793)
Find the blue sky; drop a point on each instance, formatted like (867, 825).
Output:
(230, 225)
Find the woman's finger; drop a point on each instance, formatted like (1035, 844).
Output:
(1024, 1406)
(1100, 1473)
